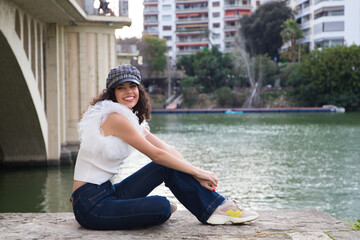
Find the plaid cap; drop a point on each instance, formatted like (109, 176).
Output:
(123, 73)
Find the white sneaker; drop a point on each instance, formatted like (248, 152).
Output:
(231, 212)
(173, 207)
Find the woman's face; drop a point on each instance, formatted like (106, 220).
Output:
(127, 94)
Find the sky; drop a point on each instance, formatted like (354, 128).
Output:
(136, 14)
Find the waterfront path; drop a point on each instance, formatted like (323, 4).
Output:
(274, 225)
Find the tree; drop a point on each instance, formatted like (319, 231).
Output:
(286, 55)
(291, 32)
(186, 63)
(210, 68)
(153, 51)
(261, 30)
(329, 76)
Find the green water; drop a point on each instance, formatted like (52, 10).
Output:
(267, 161)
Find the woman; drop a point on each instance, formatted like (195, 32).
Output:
(109, 130)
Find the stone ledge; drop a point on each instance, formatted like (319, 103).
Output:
(274, 224)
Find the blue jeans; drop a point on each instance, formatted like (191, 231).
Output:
(125, 205)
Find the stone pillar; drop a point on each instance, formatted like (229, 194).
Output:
(72, 82)
(52, 91)
(91, 53)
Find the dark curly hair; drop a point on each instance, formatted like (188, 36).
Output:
(142, 109)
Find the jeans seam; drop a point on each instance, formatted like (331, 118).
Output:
(210, 207)
(201, 198)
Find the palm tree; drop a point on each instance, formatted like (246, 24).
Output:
(291, 32)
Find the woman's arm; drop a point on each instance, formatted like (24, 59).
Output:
(119, 126)
(170, 149)
(162, 145)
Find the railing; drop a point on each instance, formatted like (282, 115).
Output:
(186, 20)
(191, 30)
(113, 8)
(319, 1)
(191, 40)
(242, 6)
(186, 1)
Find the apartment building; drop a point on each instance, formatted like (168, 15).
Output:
(328, 22)
(191, 25)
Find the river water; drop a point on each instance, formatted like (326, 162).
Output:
(266, 161)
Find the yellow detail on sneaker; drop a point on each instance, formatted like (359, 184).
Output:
(233, 213)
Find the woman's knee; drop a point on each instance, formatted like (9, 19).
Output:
(160, 206)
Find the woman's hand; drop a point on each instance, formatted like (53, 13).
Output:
(207, 179)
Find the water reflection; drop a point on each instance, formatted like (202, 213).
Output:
(267, 161)
(35, 189)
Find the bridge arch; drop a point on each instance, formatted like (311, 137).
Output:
(23, 125)
(48, 59)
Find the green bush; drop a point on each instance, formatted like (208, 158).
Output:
(285, 71)
(190, 93)
(226, 97)
(329, 76)
(210, 68)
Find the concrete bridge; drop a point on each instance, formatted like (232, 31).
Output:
(54, 57)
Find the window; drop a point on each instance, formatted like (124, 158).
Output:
(167, 38)
(149, 8)
(150, 18)
(166, 28)
(216, 25)
(339, 11)
(329, 27)
(166, 7)
(151, 29)
(333, 26)
(166, 17)
(216, 14)
(216, 36)
(329, 42)
(216, 4)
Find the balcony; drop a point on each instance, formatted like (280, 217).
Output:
(151, 20)
(234, 26)
(230, 36)
(192, 28)
(187, 50)
(192, 20)
(156, 34)
(192, 7)
(151, 11)
(319, 1)
(187, 41)
(188, 1)
(151, 30)
(237, 6)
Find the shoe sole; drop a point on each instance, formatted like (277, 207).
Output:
(220, 219)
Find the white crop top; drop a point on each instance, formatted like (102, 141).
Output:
(99, 156)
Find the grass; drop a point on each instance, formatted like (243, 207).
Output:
(355, 225)
(330, 236)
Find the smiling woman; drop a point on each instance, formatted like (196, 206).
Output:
(110, 129)
(127, 94)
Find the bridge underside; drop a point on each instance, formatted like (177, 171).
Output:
(21, 139)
